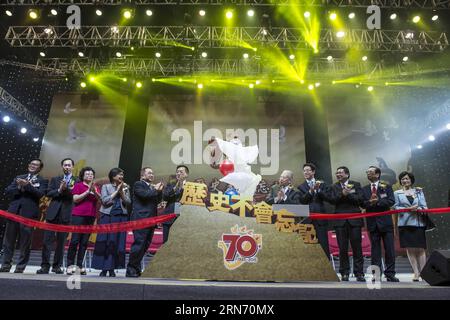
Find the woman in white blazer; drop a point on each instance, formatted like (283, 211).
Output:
(412, 224)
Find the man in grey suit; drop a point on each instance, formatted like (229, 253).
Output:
(146, 198)
(58, 212)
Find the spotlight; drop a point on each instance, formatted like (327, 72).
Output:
(149, 12)
(83, 84)
(23, 130)
(8, 13)
(245, 55)
(118, 54)
(153, 79)
(351, 15)
(419, 146)
(204, 54)
(33, 14)
(48, 31)
(202, 13)
(393, 16)
(229, 14)
(158, 55)
(132, 48)
(435, 17)
(180, 80)
(92, 79)
(333, 16)
(448, 126)
(409, 35)
(356, 86)
(264, 32)
(364, 58)
(193, 48)
(124, 79)
(115, 29)
(127, 14)
(98, 12)
(251, 85)
(329, 58)
(80, 54)
(35, 139)
(292, 57)
(311, 87)
(302, 81)
(200, 86)
(42, 54)
(340, 34)
(307, 14)
(250, 13)
(431, 137)
(370, 89)
(54, 12)
(6, 119)
(386, 83)
(416, 19)
(317, 84)
(255, 49)
(405, 58)
(138, 84)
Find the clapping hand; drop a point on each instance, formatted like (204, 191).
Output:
(414, 208)
(62, 186)
(159, 186)
(373, 199)
(22, 182)
(317, 185)
(280, 195)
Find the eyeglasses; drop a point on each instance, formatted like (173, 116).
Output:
(35, 164)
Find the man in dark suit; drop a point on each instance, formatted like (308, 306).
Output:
(377, 197)
(284, 193)
(172, 193)
(58, 212)
(25, 191)
(146, 198)
(314, 193)
(347, 197)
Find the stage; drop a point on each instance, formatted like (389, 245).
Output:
(30, 286)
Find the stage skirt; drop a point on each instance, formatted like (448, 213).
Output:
(412, 237)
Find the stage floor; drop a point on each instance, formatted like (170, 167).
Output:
(29, 286)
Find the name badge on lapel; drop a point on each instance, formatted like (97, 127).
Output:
(383, 195)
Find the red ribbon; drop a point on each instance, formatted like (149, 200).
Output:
(99, 228)
(337, 216)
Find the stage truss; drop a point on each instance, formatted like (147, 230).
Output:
(223, 37)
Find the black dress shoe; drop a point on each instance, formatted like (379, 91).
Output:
(392, 279)
(57, 270)
(112, 273)
(5, 269)
(360, 279)
(42, 271)
(131, 274)
(344, 277)
(103, 273)
(19, 270)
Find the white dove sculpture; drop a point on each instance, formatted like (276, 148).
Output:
(242, 179)
(68, 109)
(74, 135)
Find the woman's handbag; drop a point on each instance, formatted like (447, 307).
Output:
(429, 224)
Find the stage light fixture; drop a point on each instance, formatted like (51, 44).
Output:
(118, 54)
(351, 15)
(180, 80)
(393, 16)
(302, 81)
(356, 86)
(200, 86)
(364, 58)
(229, 14)
(317, 84)
(6, 119)
(54, 12)
(386, 83)
(8, 13)
(83, 84)
(448, 126)
(92, 79)
(307, 14)
(32, 14)
(115, 29)
(153, 79)
(264, 32)
(330, 58)
(409, 35)
(405, 58)
(23, 130)
(245, 55)
(124, 79)
(431, 137)
(158, 55)
(138, 84)
(258, 82)
(370, 89)
(42, 54)
(35, 139)
(149, 12)
(292, 57)
(250, 13)
(311, 87)
(435, 17)
(132, 48)
(193, 48)
(80, 54)
(251, 85)
(98, 12)
(419, 146)
(333, 82)
(416, 19)
(204, 54)
(127, 14)
(48, 31)
(340, 34)
(333, 16)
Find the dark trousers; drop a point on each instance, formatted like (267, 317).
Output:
(344, 234)
(13, 231)
(142, 240)
(2, 231)
(79, 241)
(389, 250)
(49, 241)
(322, 236)
(166, 230)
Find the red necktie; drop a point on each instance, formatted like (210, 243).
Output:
(374, 188)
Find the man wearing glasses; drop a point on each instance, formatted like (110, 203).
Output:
(25, 192)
